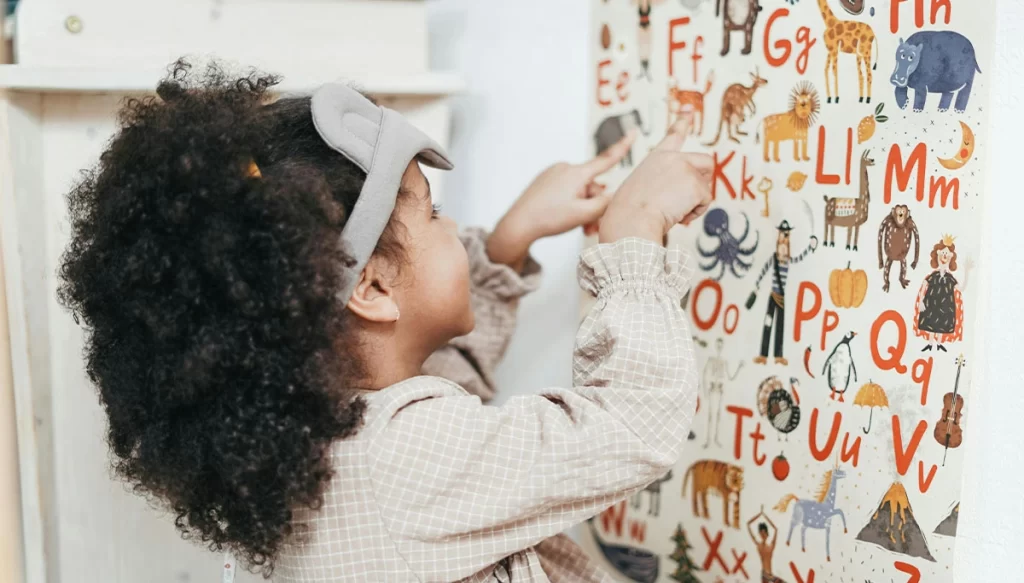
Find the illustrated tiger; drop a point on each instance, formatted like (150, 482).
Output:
(715, 475)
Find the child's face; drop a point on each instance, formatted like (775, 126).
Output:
(433, 291)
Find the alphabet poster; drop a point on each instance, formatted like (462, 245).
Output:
(834, 303)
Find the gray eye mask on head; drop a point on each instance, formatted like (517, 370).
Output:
(382, 143)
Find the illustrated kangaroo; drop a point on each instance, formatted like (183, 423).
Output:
(654, 489)
(849, 212)
(737, 104)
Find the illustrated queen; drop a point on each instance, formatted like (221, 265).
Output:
(939, 313)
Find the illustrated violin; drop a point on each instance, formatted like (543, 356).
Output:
(947, 429)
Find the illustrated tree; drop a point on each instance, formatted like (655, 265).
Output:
(686, 566)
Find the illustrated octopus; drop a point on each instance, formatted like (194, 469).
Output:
(779, 406)
(730, 252)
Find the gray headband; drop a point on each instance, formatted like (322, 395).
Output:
(380, 142)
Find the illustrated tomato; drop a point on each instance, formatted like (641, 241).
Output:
(780, 467)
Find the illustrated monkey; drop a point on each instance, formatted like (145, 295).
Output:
(894, 236)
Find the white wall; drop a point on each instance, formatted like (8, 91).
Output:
(527, 70)
(991, 532)
(525, 108)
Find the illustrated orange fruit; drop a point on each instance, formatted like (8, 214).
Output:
(866, 127)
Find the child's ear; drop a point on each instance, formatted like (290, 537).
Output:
(373, 298)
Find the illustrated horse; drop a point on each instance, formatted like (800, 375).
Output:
(817, 513)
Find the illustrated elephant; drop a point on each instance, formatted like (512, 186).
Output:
(614, 128)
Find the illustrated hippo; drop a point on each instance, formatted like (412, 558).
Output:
(614, 128)
(935, 61)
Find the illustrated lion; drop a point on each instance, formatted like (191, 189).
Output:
(793, 125)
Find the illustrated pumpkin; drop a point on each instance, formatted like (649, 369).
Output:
(780, 467)
(847, 287)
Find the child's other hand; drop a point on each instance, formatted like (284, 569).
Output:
(560, 199)
(669, 187)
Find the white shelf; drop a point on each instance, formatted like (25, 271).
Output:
(66, 80)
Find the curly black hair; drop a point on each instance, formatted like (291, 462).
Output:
(207, 295)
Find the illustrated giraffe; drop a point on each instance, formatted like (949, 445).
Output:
(850, 37)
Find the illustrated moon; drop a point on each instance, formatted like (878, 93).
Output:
(965, 152)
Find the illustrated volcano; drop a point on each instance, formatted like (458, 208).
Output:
(948, 526)
(893, 526)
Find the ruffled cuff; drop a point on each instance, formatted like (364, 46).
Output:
(633, 264)
(495, 279)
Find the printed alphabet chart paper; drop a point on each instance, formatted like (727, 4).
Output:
(834, 304)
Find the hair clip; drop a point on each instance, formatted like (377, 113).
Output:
(253, 171)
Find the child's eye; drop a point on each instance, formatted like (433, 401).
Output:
(436, 210)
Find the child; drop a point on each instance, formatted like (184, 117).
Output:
(264, 287)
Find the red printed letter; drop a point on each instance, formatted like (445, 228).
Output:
(611, 519)
(796, 574)
(783, 44)
(823, 453)
(895, 168)
(804, 314)
(740, 413)
(758, 437)
(829, 323)
(713, 550)
(819, 172)
(601, 81)
(914, 572)
(895, 353)
(702, 323)
(922, 373)
(673, 44)
(904, 456)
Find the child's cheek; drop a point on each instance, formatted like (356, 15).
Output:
(449, 278)
(462, 288)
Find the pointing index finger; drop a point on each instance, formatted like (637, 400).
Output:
(676, 135)
(611, 156)
(703, 163)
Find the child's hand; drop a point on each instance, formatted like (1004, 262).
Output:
(560, 199)
(669, 187)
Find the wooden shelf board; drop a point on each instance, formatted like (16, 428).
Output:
(60, 80)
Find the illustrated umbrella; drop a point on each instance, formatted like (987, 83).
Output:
(871, 396)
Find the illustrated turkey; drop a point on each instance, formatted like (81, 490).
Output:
(780, 406)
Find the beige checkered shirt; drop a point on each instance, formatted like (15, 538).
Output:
(439, 487)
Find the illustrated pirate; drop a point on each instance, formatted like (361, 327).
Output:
(778, 264)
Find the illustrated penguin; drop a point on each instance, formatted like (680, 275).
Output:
(839, 367)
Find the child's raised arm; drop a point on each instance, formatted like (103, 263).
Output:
(465, 485)
(461, 486)
(563, 197)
